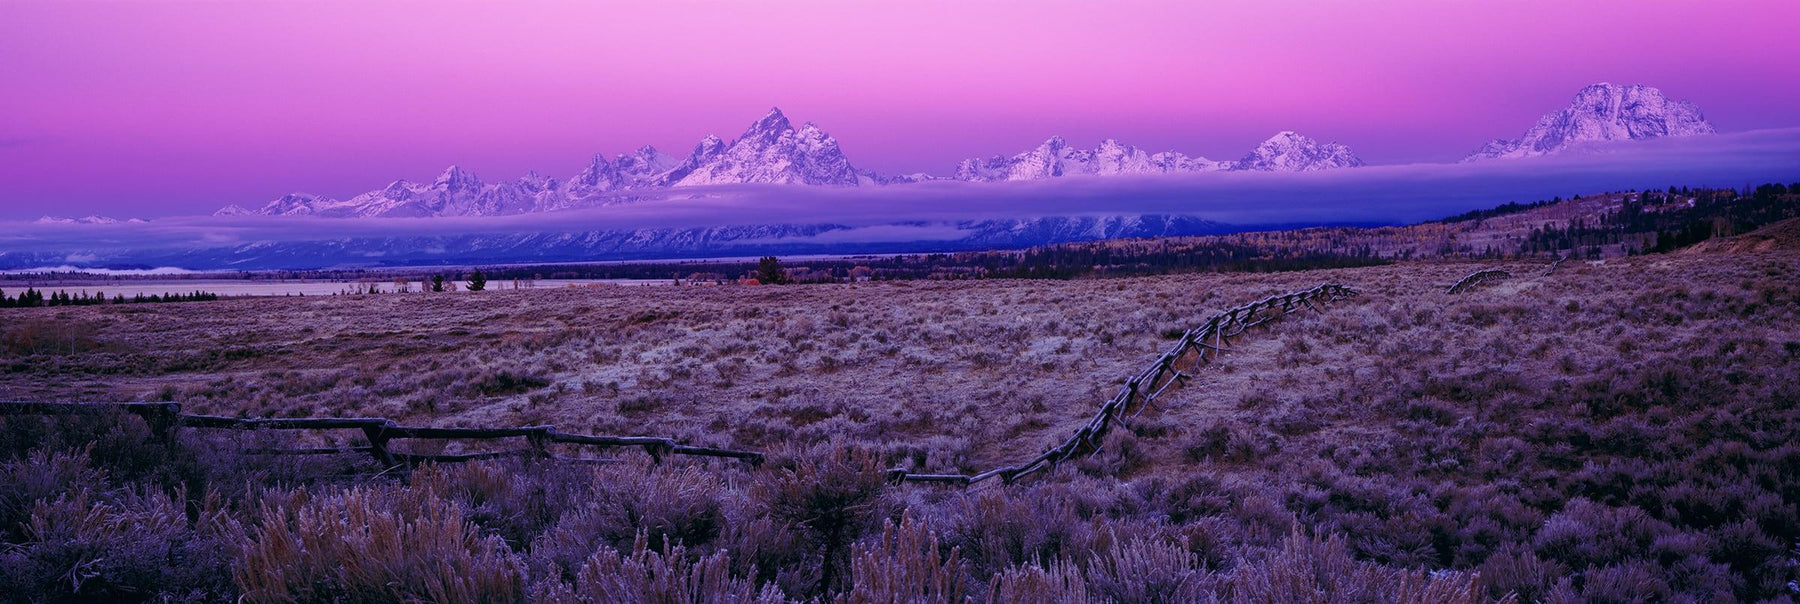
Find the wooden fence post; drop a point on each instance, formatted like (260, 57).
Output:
(378, 440)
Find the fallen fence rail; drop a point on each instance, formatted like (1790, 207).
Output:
(164, 418)
(1140, 391)
(1477, 278)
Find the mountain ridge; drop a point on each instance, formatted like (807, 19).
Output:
(773, 151)
(1599, 113)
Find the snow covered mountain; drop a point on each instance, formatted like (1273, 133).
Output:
(1291, 152)
(771, 151)
(1284, 152)
(1056, 158)
(1602, 112)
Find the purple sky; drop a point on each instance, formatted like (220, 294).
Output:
(152, 108)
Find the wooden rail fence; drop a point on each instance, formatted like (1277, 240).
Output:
(1557, 263)
(1477, 278)
(1195, 349)
(165, 418)
(1199, 344)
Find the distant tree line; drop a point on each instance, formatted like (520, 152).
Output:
(1662, 221)
(31, 297)
(1511, 207)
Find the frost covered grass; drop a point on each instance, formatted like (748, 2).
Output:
(1616, 432)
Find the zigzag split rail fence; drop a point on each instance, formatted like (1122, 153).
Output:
(1200, 344)
(1478, 277)
(1195, 348)
(165, 418)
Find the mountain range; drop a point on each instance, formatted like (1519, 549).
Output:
(770, 151)
(773, 151)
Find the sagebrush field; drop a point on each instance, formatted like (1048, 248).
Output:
(1608, 432)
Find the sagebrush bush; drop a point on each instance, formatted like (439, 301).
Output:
(41, 475)
(833, 495)
(1310, 569)
(673, 575)
(83, 544)
(374, 544)
(1061, 583)
(1146, 569)
(904, 564)
(995, 531)
(662, 507)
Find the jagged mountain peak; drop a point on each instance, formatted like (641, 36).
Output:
(770, 151)
(1056, 157)
(1289, 151)
(770, 127)
(1602, 112)
(454, 177)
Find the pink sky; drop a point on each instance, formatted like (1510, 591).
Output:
(154, 108)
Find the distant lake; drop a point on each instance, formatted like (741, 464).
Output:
(293, 287)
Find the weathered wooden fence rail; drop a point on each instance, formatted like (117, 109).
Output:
(164, 418)
(1195, 348)
(1556, 263)
(1478, 277)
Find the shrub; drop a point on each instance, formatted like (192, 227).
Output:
(1062, 583)
(662, 507)
(1635, 581)
(1589, 534)
(370, 544)
(1518, 573)
(996, 530)
(672, 575)
(834, 495)
(41, 475)
(1142, 569)
(1309, 569)
(131, 546)
(506, 382)
(903, 565)
(517, 500)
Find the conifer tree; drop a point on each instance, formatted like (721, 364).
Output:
(768, 270)
(477, 281)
